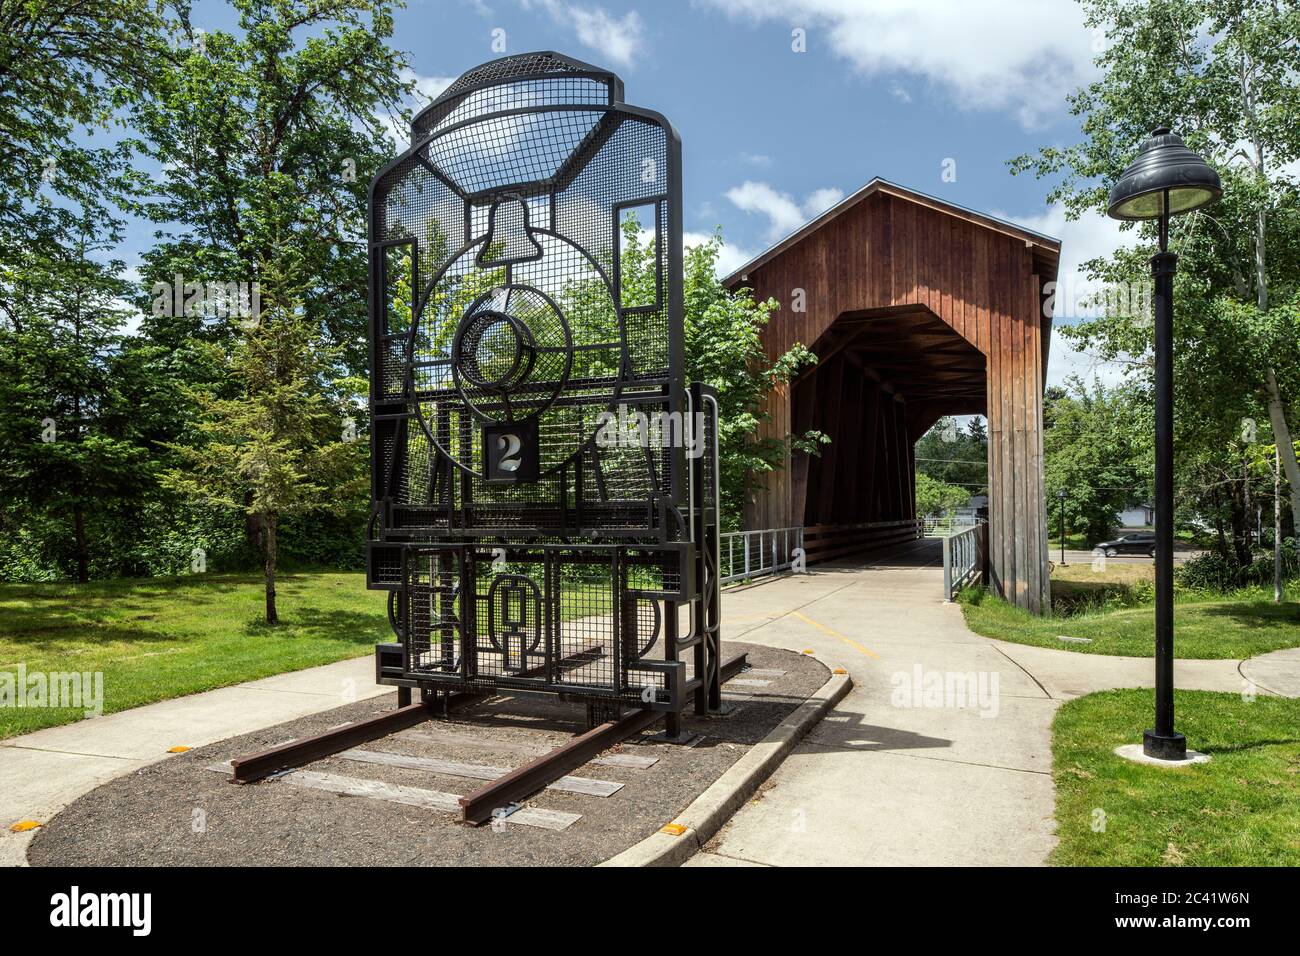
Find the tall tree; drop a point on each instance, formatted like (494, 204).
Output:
(276, 446)
(1097, 449)
(69, 442)
(724, 348)
(934, 497)
(67, 67)
(955, 456)
(271, 134)
(1226, 75)
(268, 136)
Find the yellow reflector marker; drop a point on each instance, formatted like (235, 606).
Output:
(22, 826)
(839, 670)
(673, 829)
(809, 651)
(177, 749)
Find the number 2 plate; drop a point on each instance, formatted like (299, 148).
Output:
(510, 453)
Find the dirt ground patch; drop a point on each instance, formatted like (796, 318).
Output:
(179, 813)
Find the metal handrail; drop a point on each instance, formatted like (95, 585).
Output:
(963, 560)
(752, 554)
(948, 523)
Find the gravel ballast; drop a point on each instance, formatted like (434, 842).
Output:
(180, 813)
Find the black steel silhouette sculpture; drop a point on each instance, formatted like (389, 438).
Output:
(544, 479)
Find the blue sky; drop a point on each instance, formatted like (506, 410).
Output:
(771, 136)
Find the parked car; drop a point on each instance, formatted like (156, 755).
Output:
(1138, 542)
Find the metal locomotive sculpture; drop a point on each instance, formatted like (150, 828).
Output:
(544, 478)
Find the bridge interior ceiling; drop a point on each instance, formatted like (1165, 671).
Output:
(882, 379)
(915, 354)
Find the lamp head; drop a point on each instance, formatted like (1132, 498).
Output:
(1163, 164)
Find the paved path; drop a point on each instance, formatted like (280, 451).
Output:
(1277, 672)
(875, 783)
(885, 781)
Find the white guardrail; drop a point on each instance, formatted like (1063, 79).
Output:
(948, 524)
(754, 554)
(963, 559)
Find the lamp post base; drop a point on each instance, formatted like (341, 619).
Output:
(1172, 746)
(1134, 753)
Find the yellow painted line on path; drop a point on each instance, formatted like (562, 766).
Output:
(834, 633)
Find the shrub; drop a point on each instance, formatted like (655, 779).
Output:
(1208, 572)
(1215, 572)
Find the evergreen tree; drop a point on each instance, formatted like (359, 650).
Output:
(275, 446)
(70, 445)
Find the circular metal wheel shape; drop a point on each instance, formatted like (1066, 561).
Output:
(509, 355)
(512, 354)
(494, 351)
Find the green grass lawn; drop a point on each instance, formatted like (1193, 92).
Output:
(1073, 542)
(157, 638)
(1240, 809)
(1205, 626)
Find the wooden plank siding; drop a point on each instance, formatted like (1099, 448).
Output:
(917, 310)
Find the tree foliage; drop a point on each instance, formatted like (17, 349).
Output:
(1097, 450)
(934, 497)
(72, 400)
(955, 456)
(269, 136)
(68, 66)
(724, 348)
(274, 447)
(1225, 74)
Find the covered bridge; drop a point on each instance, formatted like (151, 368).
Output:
(916, 308)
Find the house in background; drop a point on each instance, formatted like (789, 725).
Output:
(1138, 516)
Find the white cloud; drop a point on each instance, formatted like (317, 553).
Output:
(784, 214)
(1018, 55)
(756, 159)
(730, 258)
(1092, 236)
(783, 211)
(132, 325)
(1064, 360)
(427, 89)
(819, 200)
(617, 39)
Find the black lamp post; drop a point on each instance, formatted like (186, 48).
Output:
(1165, 179)
(1060, 498)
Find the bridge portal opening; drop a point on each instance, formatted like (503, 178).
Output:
(916, 308)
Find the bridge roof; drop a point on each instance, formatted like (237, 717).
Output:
(1046, 248)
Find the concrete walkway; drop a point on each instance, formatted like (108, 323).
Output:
(880, 781)
(892, 777)
(1276, 673)
(43, 772)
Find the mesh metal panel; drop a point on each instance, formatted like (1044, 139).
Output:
(527, 394)
(505, 304)
(432, 611)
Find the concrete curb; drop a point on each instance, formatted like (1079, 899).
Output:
(706, 814)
